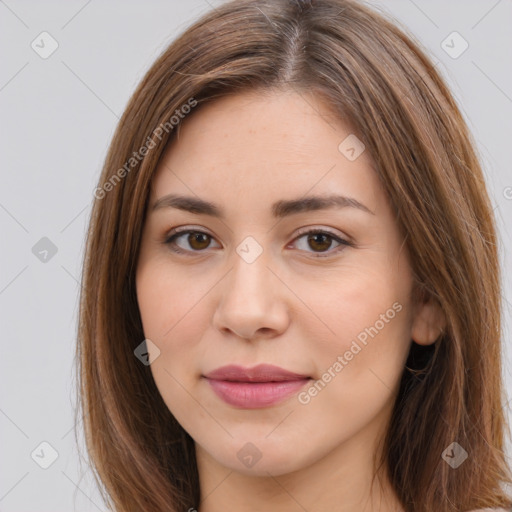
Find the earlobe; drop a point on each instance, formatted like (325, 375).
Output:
(428, 323)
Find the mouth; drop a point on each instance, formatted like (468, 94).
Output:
(254, 388)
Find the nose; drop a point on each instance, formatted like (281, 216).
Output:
(253, 301)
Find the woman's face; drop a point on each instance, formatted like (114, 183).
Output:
(249, 286)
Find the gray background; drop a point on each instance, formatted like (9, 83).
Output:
(57, 118)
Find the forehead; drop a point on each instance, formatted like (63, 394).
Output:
(254, 148)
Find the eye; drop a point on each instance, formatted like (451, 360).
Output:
(321, 241)
(197, 241)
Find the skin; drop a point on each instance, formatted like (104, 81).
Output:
(299, 305)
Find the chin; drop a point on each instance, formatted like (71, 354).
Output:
(259, 458)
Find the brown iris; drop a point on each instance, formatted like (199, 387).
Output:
(323, 239)
(201, 239)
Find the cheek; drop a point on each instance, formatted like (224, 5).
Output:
(353, 304)
(173, 316)
(360, 356)
(359, 369)
(170, 303)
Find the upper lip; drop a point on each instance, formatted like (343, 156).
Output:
(259, 373)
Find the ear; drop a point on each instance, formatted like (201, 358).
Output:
(428, 323)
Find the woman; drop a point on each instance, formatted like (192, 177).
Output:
(291, 291)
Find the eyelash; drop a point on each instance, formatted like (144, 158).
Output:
(173, 235)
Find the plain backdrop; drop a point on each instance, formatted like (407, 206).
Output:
(58, 115)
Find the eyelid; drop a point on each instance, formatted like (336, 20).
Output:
(321, 229)
(187, 229)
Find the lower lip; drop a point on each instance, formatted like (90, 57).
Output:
(255, 395)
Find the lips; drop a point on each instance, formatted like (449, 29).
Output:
(251, 388)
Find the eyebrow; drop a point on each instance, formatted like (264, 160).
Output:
(280, 209)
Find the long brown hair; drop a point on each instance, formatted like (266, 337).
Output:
(373, 75)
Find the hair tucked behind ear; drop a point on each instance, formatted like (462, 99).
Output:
(376, 77)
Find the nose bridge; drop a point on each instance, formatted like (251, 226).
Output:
(250, 273)
(249, 301)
